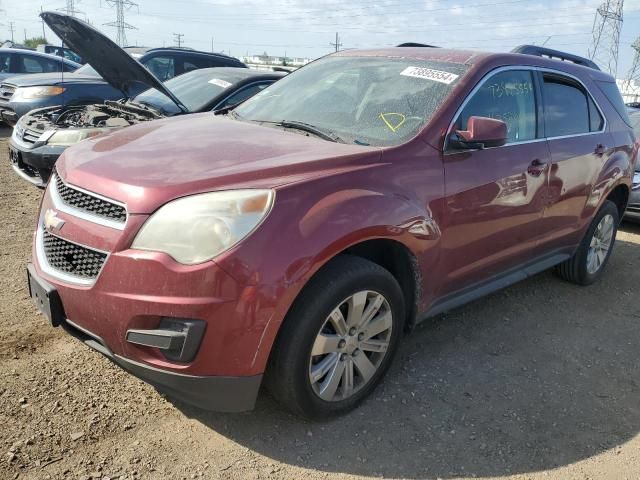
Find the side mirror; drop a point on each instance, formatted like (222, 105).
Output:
(482, 132)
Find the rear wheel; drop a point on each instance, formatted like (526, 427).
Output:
(588, 263)
(338, 339)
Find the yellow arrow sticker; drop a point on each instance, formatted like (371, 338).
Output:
(393, 120)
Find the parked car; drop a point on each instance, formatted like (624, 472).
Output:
(42, 135)
(16, 61)
(633, 210)
(298, 238)
(61, 51)
(87, 86)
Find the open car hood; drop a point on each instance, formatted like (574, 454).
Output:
(116, 66)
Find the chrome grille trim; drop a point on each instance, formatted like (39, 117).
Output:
(59, 274)
(84, 214)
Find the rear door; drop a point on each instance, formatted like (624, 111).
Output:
(579, 144)
(495, 197)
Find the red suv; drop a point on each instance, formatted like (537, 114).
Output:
(294, 240)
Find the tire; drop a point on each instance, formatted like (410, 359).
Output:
(578, 268)
(335, 291)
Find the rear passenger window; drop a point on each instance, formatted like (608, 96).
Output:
(508, 96)
(612, 92)
(568, 108)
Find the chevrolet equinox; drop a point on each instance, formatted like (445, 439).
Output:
(293, 241)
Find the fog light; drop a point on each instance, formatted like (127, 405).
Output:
(178, 339)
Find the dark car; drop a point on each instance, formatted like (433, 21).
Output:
(22, 94)
(42, 135)
(15, 61)
(293, 242)
(633, 210)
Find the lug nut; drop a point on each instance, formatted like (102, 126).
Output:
(360, 337)
(342, 343)
(355, 353)
(352, 331)
(342, 357)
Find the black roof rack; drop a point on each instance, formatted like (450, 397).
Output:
(414, 44)
(555, 54)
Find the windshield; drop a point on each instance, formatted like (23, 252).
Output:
(196, 89)
(87, 70)
(377, 101)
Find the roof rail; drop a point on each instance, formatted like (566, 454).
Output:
(414, 44)
(555, 54)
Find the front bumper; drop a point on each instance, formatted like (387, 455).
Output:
(34, 164)
(217, 393)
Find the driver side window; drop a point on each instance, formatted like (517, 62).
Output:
(508, 96)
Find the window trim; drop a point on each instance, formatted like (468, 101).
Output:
(536, 74)
(575, 83)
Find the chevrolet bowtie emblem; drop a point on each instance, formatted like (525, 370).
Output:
(51, 220)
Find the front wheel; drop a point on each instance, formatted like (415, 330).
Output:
(588, 263)
(338, 339)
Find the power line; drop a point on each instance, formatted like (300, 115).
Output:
(607, 24)
(120, 24)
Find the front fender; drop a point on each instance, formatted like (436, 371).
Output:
(307, 228)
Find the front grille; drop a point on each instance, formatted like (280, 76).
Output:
(89, 203)
(6, 91)
(70, 258)
(30, 136)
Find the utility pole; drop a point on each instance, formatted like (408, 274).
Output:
(337, 43)
(606, 35)
(12, 29)
(177, 38)
(25, 35)
(42, 21)
(120, 24)
(211, 44)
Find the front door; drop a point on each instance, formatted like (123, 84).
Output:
(495, 197)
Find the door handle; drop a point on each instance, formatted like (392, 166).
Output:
(536, 168)
(600, 149)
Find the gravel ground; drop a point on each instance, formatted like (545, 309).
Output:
(538, 381)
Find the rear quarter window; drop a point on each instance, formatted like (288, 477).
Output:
(610, 89)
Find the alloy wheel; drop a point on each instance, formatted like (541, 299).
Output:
(600, 244)
(350, 346)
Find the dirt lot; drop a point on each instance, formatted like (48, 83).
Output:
(538, 381)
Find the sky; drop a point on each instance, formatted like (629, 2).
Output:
(300, 28)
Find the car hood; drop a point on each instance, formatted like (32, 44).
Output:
(115, 65)
(37, 79)
(148, 164)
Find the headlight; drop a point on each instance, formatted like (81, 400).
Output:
(71, 137)
(28, 93)
(636, 180)
(197, 228)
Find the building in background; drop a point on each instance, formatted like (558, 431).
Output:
(270, 61)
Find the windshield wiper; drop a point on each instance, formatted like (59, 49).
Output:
(307, 127)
